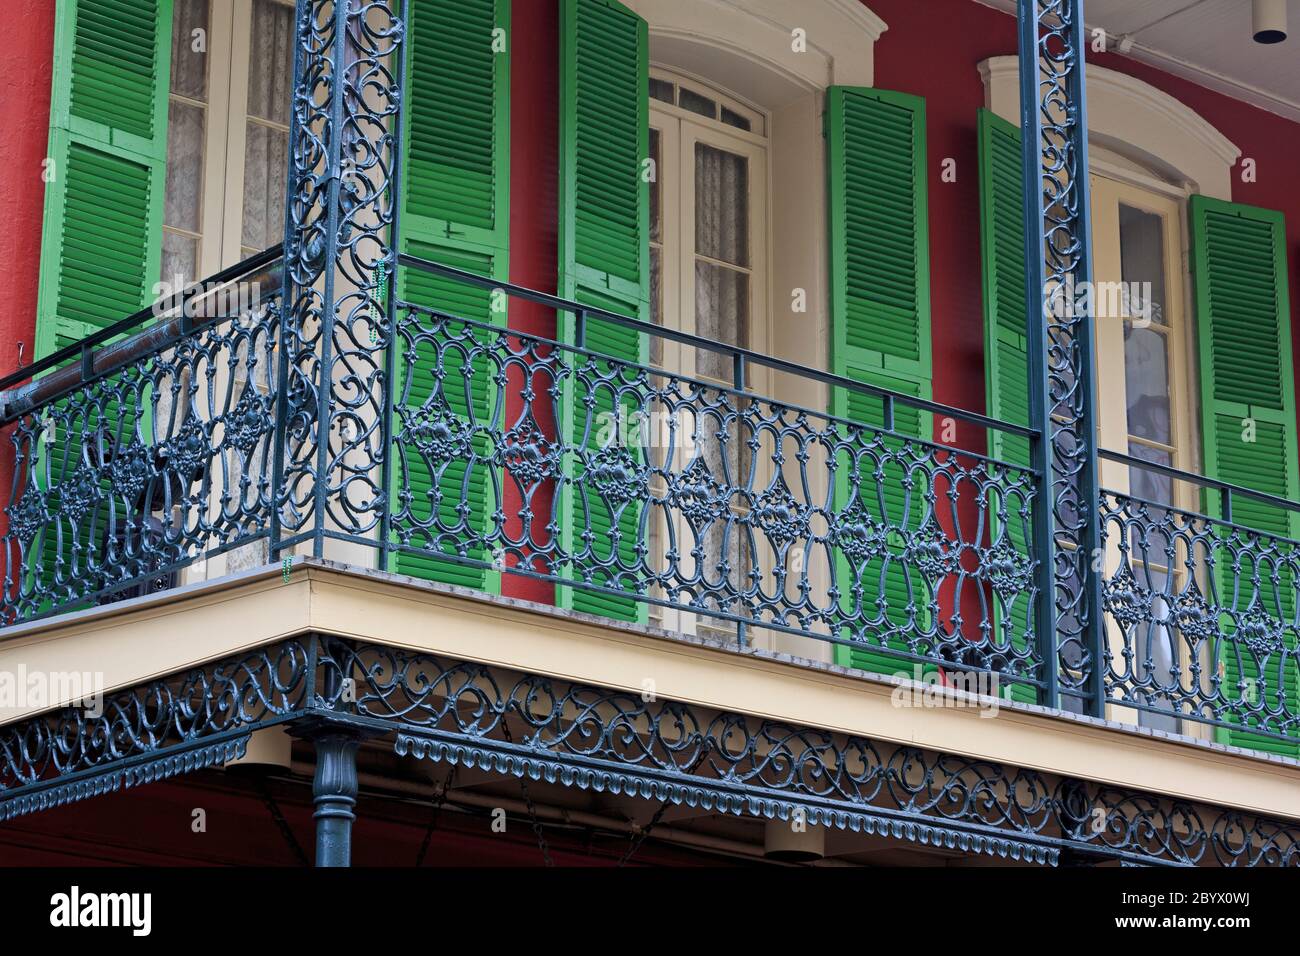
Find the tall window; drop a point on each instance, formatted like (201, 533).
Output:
(1143, 369)
(708, 248)
(227, 149)
(228, 133)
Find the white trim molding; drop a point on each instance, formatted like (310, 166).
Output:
(840, 36)
(1136, 120)
(1283, 106)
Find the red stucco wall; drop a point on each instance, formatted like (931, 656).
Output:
(534, 251)
(26, 53)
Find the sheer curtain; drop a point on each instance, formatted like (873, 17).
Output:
(722, 306)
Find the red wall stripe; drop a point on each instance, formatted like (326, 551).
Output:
(26, 57)
(534, 249)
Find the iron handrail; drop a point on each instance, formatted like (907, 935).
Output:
(1226, 489)
(22, 390)
(734, 351)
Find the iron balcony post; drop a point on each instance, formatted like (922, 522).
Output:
(1060, 341)
(334, 793)
(386, 294)
(339, 220)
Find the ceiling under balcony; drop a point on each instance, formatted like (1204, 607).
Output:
(1207, 41)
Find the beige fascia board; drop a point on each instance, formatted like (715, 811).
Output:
(167, 633)
(136, 641)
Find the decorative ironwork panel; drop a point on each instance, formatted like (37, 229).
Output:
(167, 726)
(1202, 616)
(124, 476)
(711, 500)
(341, 208)
(603, 739)
(1053, 39)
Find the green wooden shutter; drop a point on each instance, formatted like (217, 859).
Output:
(1243, 316)
(604, 211)
(1006, 362)
(101, 244)
(101, 241)
(880, 323)
(1002, 254)
(455, 211)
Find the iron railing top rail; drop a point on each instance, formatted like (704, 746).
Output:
(736, 352)
(713, 384)
(1227, 489)
(20, 385)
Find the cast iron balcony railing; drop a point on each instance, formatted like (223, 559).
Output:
(1201, 611)
(137, 453)
(626, 485)
(330, 411)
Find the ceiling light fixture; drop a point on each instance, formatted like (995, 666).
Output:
(1270, 21)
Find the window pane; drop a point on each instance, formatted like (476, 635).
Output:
(185, 137)
(1142, 258)
(656, 195)
(190, 66)
(690, 100)
(265, 164)
(180, 260)
(1146, 377)
(656, 300)
(270, 66)
(1148, 485)
(721, 309)
(721, 205)
(266, 148)
(661, 90)
(732, 118)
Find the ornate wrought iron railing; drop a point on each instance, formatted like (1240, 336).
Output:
(332, 411)
(1201, 605)
(487, 451)
(631, 483)
(628, 485)
(136, 453)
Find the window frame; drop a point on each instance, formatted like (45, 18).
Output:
(679, 130)
(1111, 189)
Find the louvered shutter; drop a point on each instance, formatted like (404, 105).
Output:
(880, 334)
(1006, 363)
(455, 211)
(101, 242)
(1243, 315)
(604, 262)
(102, 239)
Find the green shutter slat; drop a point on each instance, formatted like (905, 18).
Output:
(118, 65)
(604, 252)
(455, 211)
(1006, 360)
(1243, 316)
(604, 130)
(103, 266)
(455, 112)
(880, 325)
(880, 272)
(101, 240)
(102, 236)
